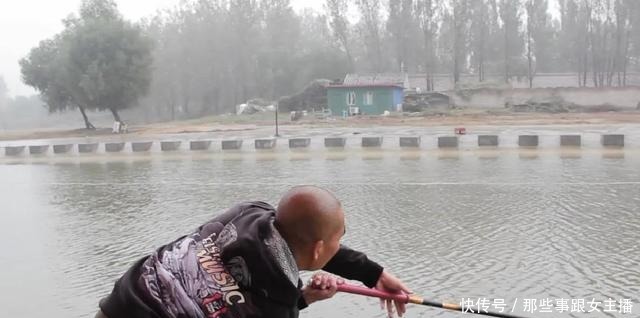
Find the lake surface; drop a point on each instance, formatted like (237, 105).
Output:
(511, 226)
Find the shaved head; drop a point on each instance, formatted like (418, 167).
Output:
(307, 214)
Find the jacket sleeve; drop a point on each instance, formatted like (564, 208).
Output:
(302, 304)
(354, 265)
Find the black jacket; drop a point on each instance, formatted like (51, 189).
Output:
(235, 265)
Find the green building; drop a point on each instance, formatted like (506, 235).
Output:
(372, 99)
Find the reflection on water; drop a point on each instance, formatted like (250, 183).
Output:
(452, 226)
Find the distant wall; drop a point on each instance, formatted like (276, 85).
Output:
(444, 82)
(621, 97)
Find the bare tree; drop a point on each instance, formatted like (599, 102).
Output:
(401, 26)
(460, 22)
(510, 15)
(427, 19)
(584, 31)
(623, 16)
(483, 28)
(370, 24)
(337, 11)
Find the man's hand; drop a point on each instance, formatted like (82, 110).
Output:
(390, 283)
(320, 287)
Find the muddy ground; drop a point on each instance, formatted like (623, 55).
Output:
(230, 123)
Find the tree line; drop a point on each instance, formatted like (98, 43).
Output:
(599, 40)
(205, 56)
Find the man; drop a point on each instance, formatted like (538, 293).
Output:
(246, 262)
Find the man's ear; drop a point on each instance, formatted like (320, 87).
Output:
(318, 247)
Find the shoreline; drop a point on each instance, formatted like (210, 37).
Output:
(260, 126)
(327, 144)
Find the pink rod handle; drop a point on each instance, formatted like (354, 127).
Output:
(351, 289)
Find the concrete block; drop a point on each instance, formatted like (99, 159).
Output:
(59, 149)
(335, 142)
(265, 143)
(14, 150)
(570, 140)
(448, 142)
(114, 146)
(613, 141)
(488, 141)
(170, 145)
(410, 142)
(299, 142)
(528, 141)
(200, 145)
(371, 142)
(141, 146)
(87, 148)
(38, 150)
(231, 144)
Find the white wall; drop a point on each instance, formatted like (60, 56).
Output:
(627, 98)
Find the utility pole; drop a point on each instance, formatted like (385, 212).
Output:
(277, 134)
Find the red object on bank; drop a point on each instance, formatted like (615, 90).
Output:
(460, 131)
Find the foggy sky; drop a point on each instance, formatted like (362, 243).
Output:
(24, 23)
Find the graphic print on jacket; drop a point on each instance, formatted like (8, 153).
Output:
(188, 278)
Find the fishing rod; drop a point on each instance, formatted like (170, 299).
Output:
(414, 299)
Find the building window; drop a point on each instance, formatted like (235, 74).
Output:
(351, 98)
(368, 98)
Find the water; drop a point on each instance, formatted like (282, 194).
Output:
(512, 225)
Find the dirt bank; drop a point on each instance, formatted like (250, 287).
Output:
(248, 123)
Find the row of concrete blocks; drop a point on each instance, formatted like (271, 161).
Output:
(329, 142)
(483, 141)
(110, 147)
(145, 146)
